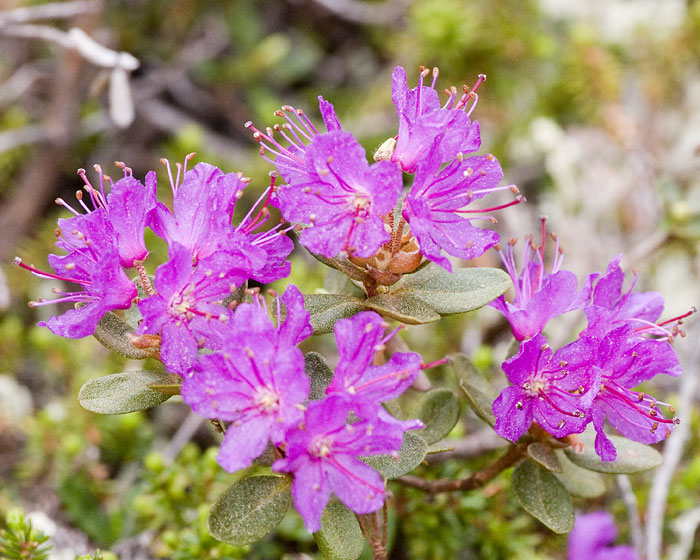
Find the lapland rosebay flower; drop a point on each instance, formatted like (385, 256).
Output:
(203, 206)
(623, 362)
(323, 454)
(256, 381)
(93, 263)
(539, 295)
(435, 207)
(592, 537)
(362, 384)
(609, 307)
(422, 120)
(185, 310)
(553, 389)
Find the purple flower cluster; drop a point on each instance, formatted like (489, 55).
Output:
(256, 382)
(593, 378)
(348, 207)
(208, 257)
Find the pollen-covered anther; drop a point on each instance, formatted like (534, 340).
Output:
(519, 405)
(561, 424)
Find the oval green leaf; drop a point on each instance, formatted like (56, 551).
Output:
(326, 309)
(462, 290)
(632, 457)
(544, 455)
(320, 374)
(404, 307)
(412, 452)
(543, 496)
(577, 481)
(475, 387)
(340, 537)
(120, 393)
(249, 509)
(439, 411)
(113, 333)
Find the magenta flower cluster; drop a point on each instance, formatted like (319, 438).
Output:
(242, 368)
(593, 378)
(256, 381)
(347, 207)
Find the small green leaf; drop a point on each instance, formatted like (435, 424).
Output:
(113, 333)
(577, 481)
(320, 373)
(462, 290)
(326, 309)
(120, 393)
(412, 452)
(439, 411)
(475, 387)
(543, 496)
(632, 457)
(544, 455)
(340, 537)
(249, 509)
(404, 307)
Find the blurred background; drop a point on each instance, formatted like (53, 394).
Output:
(592, 108)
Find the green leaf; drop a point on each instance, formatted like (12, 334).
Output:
(326, 309)
(462, 290)
(320, 373)
(120, 393)
(475, 387)
(577, 481)
(113, 333)
(543, 496)
(544, 455)
(404, 307)
(439, 411)
(412, 452)
(249, 509)
(632, 457)
(340, 537)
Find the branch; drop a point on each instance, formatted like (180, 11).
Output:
(673, 450)
(471, 446)
(477, 480)
(385, 13)
(623, 484)
(55, 10)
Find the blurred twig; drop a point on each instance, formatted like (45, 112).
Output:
(628, 496)
(673, 451)
(385, 13)
(55, 10)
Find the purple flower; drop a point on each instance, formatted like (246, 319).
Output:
(203, 206)
(297, 133)
(554, 390)
(93, 263)
(592, 536)
(356, 379)
(422, 120)
(435, 206)
(256, 382)
(539, 295)
(186, 310)
(343, 198)
(127, 207)
(323, 454)
(624, 361)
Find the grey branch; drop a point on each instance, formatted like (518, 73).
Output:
(55, 10)
(386, 13)
(673, 451)
(623, 484)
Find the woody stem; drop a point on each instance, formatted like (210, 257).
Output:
(477, 480)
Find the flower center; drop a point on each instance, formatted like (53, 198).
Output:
(267, 400)
(320, 446)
